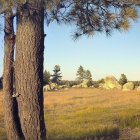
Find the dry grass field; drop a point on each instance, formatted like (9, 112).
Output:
(89, 114)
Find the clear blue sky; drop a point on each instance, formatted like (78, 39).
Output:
(102, 55)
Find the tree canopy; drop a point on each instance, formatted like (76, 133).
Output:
(88, 16)
(91, 16)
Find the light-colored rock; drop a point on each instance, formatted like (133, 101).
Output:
(63, 86)
(46, 88)
(111, 83)
(128, 86)
(76, 86)
(101, 85)
(53, 86)
(138, 88)
(56, 89)
(66, 89)
(84, 84)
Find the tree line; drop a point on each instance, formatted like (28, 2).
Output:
(56, 77)
(81, 75)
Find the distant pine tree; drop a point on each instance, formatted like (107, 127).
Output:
(46, 77)
(88, 75)
(80, 73)
(56, 77)
(83, 74)
(123, 80)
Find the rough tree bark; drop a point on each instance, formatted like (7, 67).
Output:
(29, 69)
(10, 105)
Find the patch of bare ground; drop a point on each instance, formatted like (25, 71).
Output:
(130, 134)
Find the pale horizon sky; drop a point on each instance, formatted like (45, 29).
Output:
(102, 55)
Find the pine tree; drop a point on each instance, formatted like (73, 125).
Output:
(80, 73)
(123, 79)
(56, 77)
(88, 75)
(46, 77)
(83, 74)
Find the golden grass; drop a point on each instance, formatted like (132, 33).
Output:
(86, 114)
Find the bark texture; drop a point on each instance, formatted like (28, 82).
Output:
(29, 69)
(10, 105)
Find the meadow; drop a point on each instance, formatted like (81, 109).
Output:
(89, 114)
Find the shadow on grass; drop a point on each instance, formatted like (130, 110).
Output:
(130, 121)
(105, 133)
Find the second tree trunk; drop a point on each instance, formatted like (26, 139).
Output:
(10, 105)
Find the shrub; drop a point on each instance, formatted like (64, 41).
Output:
(101, 81)
(96, 84)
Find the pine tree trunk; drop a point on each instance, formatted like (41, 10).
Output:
(10, 106)
(29, 70)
